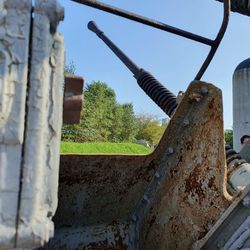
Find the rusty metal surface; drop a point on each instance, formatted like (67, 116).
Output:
(221, 235)
(73, 99)
(99, 189)
(96, 192)
(166, 200)
(191, 194)
(115, 236)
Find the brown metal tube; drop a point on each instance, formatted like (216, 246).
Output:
(141, 19)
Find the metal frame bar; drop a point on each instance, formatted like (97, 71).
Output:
(214, 44)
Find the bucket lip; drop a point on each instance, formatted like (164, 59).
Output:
(243, 65)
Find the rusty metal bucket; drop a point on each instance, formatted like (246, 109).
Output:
(168, 199)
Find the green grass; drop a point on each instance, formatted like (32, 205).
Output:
(103, 148)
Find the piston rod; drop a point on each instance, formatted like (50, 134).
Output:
(152, 87)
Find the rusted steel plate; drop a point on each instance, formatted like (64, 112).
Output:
(115, 236)
(191, 194)
(73, 99)
(168, 199)
(95, 192)
(99, 189)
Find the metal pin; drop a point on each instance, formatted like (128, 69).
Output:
(134, 218)
(170, 151)
(204, 90)
(157, 175)
(145, 198)
(185, 122)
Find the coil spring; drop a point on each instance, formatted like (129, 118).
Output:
(233, 158)
(157, 92)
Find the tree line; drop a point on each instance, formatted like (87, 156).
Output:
(104, 119)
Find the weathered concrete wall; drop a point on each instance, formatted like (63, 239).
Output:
(31, 85)
(14, 45)
(241, 102)
(43, 132)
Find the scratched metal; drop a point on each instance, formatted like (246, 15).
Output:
(166, 200)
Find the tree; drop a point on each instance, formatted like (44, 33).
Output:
(103, 119)
(229, 137)
(129, 124)
(117, 125)
(98, 111)
(149, 129)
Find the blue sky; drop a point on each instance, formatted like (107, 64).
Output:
(173, 60)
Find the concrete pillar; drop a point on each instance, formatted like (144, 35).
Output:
(15, 19)
(31, 99)
(241, 102)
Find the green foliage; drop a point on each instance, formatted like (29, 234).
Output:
(104, 148)
(149, 129)
(124, 127)
(229, 137)
(98, 112)
(102, 118)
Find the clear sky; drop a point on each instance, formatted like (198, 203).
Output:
(173, 60)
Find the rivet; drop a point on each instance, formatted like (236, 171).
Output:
(157, 175)
(145, 198)
(185, 122)
(170, 151)
(195, 97)
(134, 218)
(204, 90)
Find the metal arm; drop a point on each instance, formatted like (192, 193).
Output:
(162, 26)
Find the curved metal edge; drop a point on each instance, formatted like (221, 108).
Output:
(216, 42)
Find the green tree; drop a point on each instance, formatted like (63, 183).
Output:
(130, 126)
(98, 111)
(149, 129)
(229, 137)
(117, 124)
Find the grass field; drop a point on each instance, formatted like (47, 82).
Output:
(103, 148)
